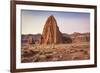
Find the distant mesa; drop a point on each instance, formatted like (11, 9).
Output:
(30, 38)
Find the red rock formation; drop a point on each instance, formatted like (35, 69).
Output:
(51, 33)
(80, 37)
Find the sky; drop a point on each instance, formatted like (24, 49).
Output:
(33, 21)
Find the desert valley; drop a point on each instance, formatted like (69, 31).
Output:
(54, 45)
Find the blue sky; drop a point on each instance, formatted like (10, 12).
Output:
(33, 21)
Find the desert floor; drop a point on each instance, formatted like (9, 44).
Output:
(58, 52)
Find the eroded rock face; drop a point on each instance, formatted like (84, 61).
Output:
(27, 39)
(80, 37)
(51, 33)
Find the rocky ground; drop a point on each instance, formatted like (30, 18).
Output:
(60, 52)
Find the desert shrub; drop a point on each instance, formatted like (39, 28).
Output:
(67, 39)
(85, 52)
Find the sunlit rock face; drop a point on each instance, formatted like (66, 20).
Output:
(51, 33)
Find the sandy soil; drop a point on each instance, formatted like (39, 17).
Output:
(60, 52)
